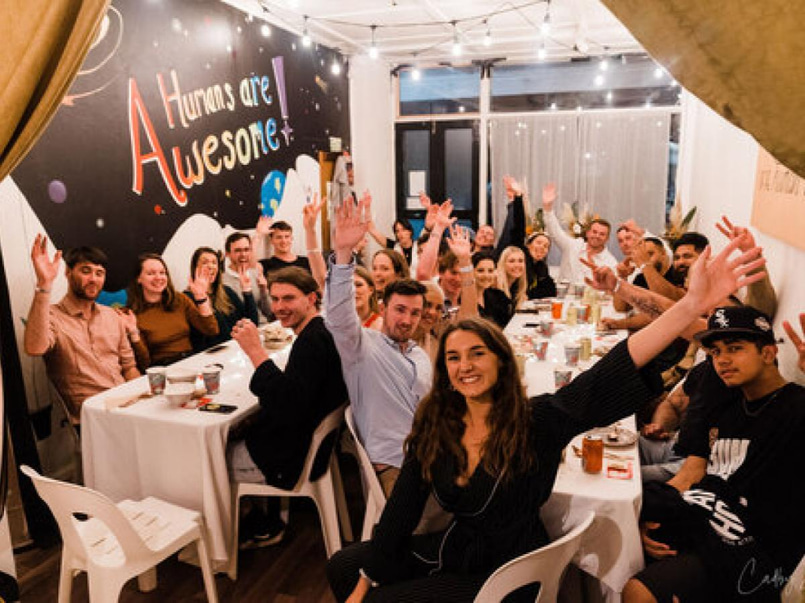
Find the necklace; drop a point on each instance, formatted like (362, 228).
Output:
(762, 407)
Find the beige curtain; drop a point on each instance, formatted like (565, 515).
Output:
(744, 58)
(44, 44)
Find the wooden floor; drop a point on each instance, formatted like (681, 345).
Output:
(292, 571)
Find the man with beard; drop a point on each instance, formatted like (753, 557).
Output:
(84, 344)
(385, 371)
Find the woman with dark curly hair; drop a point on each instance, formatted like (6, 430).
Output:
(489, 455)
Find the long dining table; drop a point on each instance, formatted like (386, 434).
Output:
(611, 551)
(134, 446)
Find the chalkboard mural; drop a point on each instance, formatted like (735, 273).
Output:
(182, 107)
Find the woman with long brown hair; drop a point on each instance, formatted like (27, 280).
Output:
(226, 305)
(489, 455)
(366, 299)
(158, 320)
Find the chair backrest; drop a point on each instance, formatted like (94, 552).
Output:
(66, 499)
(794, 591)
(370, 480)
(545, 565)
(321, 448)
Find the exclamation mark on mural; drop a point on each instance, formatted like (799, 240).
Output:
(279, 76)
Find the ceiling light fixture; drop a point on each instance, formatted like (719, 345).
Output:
(373, 51)
(545, 26)
(265, 30)
(604, 64)
(456, 41)
(306, 41)
(335, 68)
(542, 53)
(488, 36)
(599, 80)
(658, 73)
(416, 74)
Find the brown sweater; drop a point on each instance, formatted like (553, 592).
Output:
(165, 334)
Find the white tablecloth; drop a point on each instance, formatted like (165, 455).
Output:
(153, 449)
(611, 551)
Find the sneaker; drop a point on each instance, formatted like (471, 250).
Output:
(258, 541)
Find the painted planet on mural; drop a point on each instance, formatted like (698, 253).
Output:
(271, 192)
(57, 191)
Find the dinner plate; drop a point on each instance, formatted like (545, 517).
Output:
(615, 436)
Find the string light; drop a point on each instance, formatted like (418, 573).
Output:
(265, 30)
(545, 26)
(416, 74)
(456, 41)
(373, 51)
(335, 68)
(488, 36)
(306, 41)
(542, 53)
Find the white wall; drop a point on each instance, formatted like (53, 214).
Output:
(720, 163)
(372, 120)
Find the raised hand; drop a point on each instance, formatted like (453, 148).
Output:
(310, 212)
(243, 277)
(603, 277)
(548, 196)
(200, 285)
(713, 280)
(640, 253)
(248, 337)
(351, 225)
(424, 200)
(460, 244)
(262, 282)
(799, 344)
(430, 216)
(635, 228)
(513, 188)
(625, 268)
(263, 228)
(45, 268)
(729, 230)
(443, 219)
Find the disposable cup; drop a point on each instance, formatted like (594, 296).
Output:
(572, 353)
(561, 377)
(212, 379)
(540, 348)
(157, 376)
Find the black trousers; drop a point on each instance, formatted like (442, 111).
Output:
(420, 587)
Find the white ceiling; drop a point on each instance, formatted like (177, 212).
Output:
(409, 31)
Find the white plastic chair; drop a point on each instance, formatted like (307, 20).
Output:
(794, 591)
(326, 491)
(372, 490)
(545, 565)
(117, 542)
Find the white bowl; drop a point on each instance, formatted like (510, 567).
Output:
(181, 375)
(179, 393)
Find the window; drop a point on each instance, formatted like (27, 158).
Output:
(629, 81)
(440, 91)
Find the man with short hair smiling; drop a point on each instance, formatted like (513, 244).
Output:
(293, 401)
(281, 237)
(484, 239)
(731, 520)
(592, 248)
(386, 372)
(85, 345)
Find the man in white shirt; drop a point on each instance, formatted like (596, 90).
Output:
(593, 248)
(239, 250)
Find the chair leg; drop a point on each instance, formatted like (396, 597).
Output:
(369, 519)
(104, 588)
(65, 578)
(233, 549)
(206, 568)
(147, 581)
(324, 497)
(340, 499)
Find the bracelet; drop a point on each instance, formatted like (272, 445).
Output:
(617, 286)
(201, 301)
(372, 583)
(465, 269)
(41, 290)
(316, 250)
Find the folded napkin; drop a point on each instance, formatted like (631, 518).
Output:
(123, 401)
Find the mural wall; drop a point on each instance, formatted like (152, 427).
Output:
(185, 122)
(181, 108)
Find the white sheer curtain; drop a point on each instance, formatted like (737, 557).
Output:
(615, 164)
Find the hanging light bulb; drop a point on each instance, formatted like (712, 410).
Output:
(599, 80)
(265, 30)
(416, 74)
(542, 53)
(306, 41)
(373, 51)
(456, 41)
(658, 73)
(335, 68)
(545, 26)
(488, 36)
(604, 64)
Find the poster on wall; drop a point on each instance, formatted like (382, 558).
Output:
(778, 206)
(182, 109)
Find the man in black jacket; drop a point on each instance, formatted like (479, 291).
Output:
(292, 402)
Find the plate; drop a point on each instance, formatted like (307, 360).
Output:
(615, 436)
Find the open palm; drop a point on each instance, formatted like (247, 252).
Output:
(352, 223)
